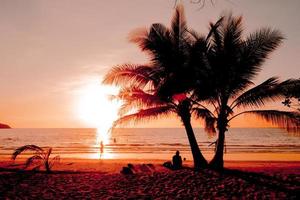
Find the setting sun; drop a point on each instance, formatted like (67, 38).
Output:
(149, 99)
(96, 109)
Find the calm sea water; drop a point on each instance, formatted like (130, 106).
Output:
(148, 143)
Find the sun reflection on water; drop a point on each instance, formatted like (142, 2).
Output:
(104, 137)
(97, 110)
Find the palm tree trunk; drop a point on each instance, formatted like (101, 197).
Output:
(218, 162)
(185, 115)
(199, 160)
(47, 167)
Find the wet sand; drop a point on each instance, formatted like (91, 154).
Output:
(94, 179)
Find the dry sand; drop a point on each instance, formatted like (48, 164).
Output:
(94, 179)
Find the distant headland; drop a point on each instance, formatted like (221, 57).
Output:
(3, 126)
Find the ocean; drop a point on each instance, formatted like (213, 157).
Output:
(153, 143)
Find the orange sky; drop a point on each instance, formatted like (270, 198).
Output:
(50, 50)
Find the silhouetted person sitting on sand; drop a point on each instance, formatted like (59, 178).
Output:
(177, 161)
(129, 169)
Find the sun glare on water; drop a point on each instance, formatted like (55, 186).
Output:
(98, 110)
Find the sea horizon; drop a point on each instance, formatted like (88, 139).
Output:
(153, 143)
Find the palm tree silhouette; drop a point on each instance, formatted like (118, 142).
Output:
(164, 85)
(40, 157)
(292, 97)
(232, 64)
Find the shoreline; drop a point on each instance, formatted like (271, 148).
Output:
(115, 165)
(228, 157)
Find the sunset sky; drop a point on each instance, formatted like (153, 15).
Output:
(53, 53)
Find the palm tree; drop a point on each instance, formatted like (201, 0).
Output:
(292, 97)
(163, 86)
(233, 63)
(40, 157)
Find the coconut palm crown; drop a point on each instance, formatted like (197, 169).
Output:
(162, 86)
(233, 63)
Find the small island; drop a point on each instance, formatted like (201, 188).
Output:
(4, 126)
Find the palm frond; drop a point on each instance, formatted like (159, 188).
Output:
(215, 37)
(258, 95)
(144, 114)
(32, 159)
(135, 98)
(209, 120)
(213, 28)
(146, 40)
(232, 32)
(126, 74)
(283, 119)
(21, 149)
(199, 46)
(178, 24)
(47, 154)
(256, 48)
(291, 88)
(139, 36)
(161, 49)
(194, 34)
(235, 61)
(158, 45)
(36, 168)
(225, 54)
(158, 40)
(130, 93)
(252, 54)
(54, 160)
(168, 46)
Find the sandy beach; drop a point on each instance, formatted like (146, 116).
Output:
(101, 179)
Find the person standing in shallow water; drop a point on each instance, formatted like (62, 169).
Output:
(101, 148)
(177, 161)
